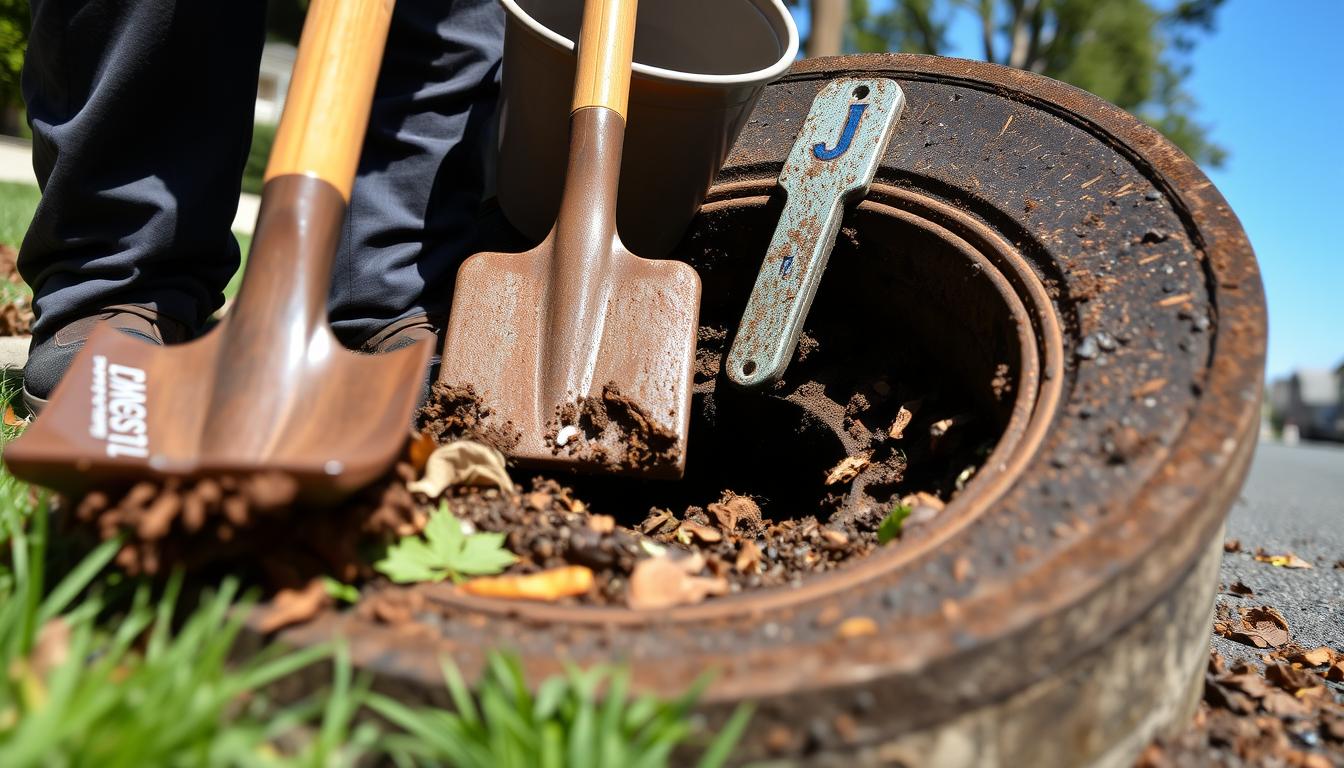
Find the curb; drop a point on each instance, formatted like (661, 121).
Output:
(14, 352)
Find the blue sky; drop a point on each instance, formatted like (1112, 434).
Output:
(1270, 85)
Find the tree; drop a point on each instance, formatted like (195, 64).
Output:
(1125, 51)
(13, 41)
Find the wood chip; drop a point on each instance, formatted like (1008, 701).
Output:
(602, 523)
(659, 583)
(857, 626)
(546, 586)
(748, 558)
(421, 448)
(848, 469)
(904, 416)
(294, 606)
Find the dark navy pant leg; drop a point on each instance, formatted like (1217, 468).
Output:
(424, 167)
(141, 113)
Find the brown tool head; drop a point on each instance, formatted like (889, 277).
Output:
(580, 348)
(268, 389)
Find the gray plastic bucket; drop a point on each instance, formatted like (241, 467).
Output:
(699, 67)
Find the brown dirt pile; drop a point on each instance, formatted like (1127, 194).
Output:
(455, 412)
(200, 523)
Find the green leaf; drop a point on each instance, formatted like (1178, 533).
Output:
(446, 551)
(890, 527)
(346, 593)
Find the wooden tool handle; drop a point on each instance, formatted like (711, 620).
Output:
(606, 51)
(331, 91)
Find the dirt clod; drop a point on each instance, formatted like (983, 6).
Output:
(613, 419)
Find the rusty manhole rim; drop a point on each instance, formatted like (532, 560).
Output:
(1039, 387)
(1051, 614)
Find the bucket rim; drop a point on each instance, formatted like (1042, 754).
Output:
(758, 77)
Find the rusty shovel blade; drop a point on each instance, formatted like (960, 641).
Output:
(269, 389)
(581, 349)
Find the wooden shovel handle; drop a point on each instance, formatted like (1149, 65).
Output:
(331, 91)
(606, 51)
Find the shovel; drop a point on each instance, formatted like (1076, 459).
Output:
(268, 389)
(579, 348)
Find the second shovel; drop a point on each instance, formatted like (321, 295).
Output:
(579, 348)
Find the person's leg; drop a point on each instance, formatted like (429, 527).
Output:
(423, 170)
(141, 112)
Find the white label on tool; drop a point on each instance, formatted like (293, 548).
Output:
(117, 415)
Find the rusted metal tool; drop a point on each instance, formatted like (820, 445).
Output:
(584, 347)
(832, 163)
(269, 388)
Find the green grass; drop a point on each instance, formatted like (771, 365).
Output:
(18, 202)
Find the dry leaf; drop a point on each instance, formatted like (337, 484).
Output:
(1289, 678)
(848, 469)
(1283, 704)
(1288, 560)
(748, 558)
(1336, 672)
(549, 585)
(733, 509)
(463, 462)
(1232, 545)
(51, 647)
(295, 606)
(1318, 657)
(12, 420)
(1240, 588)
(1262, 627)
(1249, 683)
(702, 532)
(660, 582)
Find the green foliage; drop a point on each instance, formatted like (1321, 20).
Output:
(254, 173)
(18, 203)
(1125, 51)
(446, 551)
(890, 527)
(14, 23)
(564, 724)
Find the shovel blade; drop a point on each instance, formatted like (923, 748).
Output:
(553, 393)
(129, 410)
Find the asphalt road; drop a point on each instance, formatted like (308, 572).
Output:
(1293, 501)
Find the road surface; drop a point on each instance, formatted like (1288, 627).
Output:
(1293, 502)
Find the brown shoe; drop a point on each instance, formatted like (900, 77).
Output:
(403, 333)
(49, 358)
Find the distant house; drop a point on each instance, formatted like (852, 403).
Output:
(1339, 402)
(1307, 404)
(277, 62)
